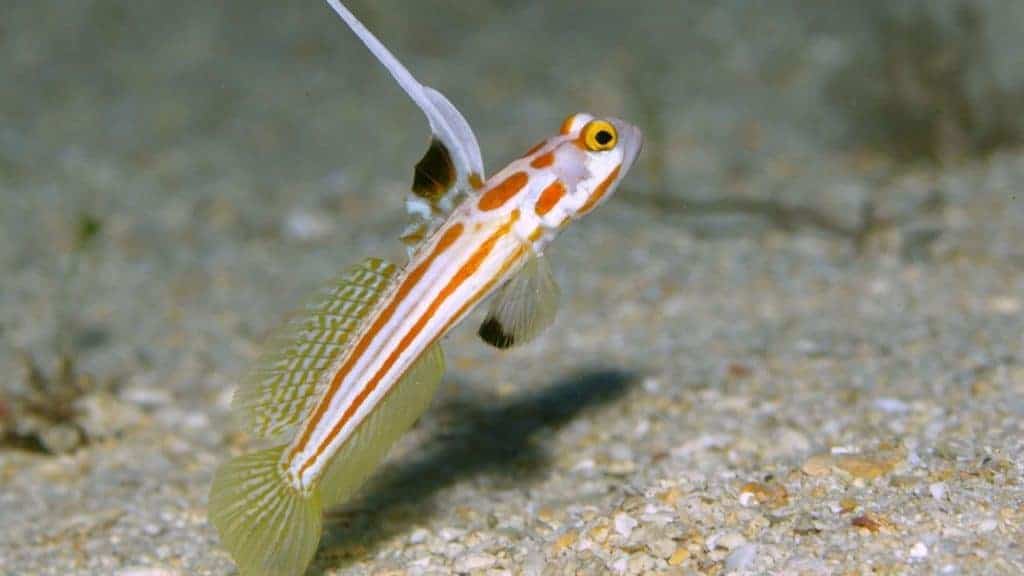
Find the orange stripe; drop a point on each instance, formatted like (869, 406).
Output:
(567, 124)
(549, 197)
(467, 270)
(449, 238)
(599, 192)
(472, 301)
(543, 161)
(486, 288)
(497, 196)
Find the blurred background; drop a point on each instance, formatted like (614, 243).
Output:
(827, 212)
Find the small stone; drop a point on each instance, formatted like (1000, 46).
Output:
(918, 551)
(449, 534)
(818, 465)
(865, 468)
(741, 558)
(418, 536)
(770, 495)
(872, 522)
(641, 564)
(564, 541)
(730, 541)
(670, 496)
(624, 524)
(475, 562)
(847, 505)
(678, 557)
(937, 490)
(147, 572)
(103, 416)
(662, 548)
(891, 405)
(60, 438)
(307, 226)
(988, 525)
(146, 396)
(1005, 305)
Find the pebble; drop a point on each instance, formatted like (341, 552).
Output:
(307, 226)
(741, 558)
(727, 541)
(937, 490)
(988, 525)
(418, 536)
(624, 524)
(147, 572)
(918, 551)
(662, 548)
(475, 562)
(891, 405)
(678, 557)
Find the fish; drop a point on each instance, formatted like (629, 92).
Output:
(339, 384)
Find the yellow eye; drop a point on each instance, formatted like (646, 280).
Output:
(599, 135)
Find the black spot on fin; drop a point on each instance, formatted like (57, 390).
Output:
(434, 173)
(492, 332)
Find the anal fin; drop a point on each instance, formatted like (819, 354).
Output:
(373, 437)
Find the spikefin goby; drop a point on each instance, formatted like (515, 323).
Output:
(288, 378)
(268, 527)
(370, 441)
(523, 307)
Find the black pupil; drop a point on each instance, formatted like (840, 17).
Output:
(603, 137)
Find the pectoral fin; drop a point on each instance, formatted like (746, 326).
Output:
(523, 307)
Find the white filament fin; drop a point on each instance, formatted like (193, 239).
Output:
(284, 385)
(523, 307)
(370, 441)
(454, 144)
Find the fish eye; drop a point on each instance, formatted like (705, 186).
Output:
(599, 135)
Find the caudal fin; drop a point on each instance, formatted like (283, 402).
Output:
(270, 528)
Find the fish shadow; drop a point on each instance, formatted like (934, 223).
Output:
(502, 442)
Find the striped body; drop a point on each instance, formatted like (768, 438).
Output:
(484, 242)
(338, 386)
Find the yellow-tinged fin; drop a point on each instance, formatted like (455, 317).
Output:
(371, 440)
(288, 378)
(523, 307)
(270, 528)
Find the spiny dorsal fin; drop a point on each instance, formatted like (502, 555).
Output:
(434, 174)
(452, 165)
(371, 440)
(523, 307)
(284, 384)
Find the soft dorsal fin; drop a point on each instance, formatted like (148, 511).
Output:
(285, 383)
(523, 307)
(453, 163)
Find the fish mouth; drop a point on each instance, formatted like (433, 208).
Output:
(632, 141)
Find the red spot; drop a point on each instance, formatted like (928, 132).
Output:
(549, 197)
(543, 161)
